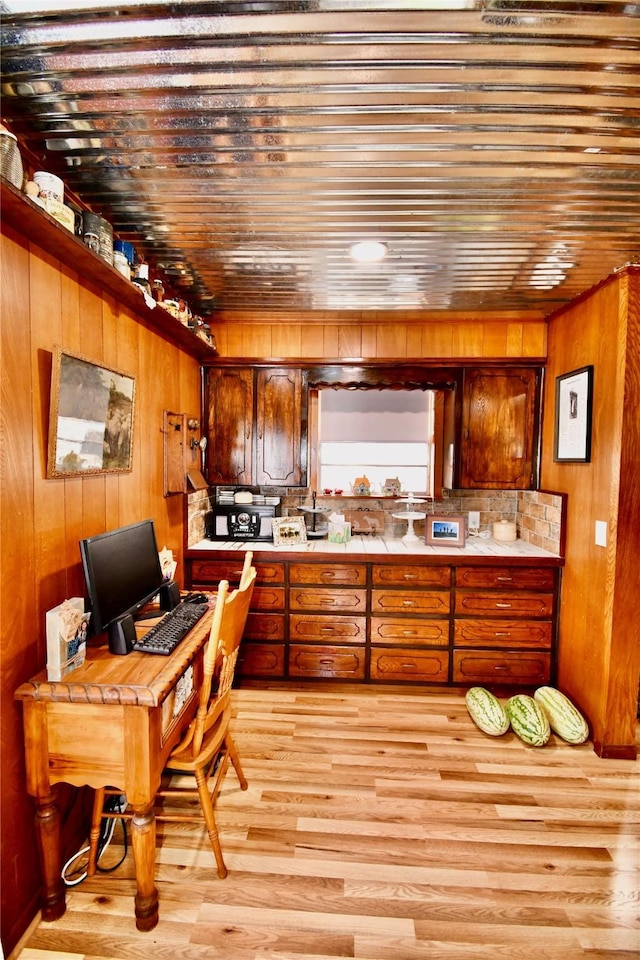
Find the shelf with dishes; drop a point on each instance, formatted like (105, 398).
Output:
(33, 222)
(314, 512)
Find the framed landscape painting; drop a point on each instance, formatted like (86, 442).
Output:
(91, 418)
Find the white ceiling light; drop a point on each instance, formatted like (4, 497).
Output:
(368, 251)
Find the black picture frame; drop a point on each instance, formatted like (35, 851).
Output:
(573, 416)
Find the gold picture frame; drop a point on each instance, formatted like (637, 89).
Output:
(91, 418)
(288, 531)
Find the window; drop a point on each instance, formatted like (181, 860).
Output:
(380, 434)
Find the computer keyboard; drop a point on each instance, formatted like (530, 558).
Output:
(165, 636)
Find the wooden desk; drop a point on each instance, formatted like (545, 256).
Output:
(111, 722)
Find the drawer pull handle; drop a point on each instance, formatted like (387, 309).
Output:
(408, 633)
(327, 630)
(408, 666)
(500, 666)
(504, 579)
(328, 574)
(327, 602)
(408, 603)
(327, 661)
(503, 633)
(411, 576)
(504, 606)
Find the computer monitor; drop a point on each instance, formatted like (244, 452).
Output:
(122, 573)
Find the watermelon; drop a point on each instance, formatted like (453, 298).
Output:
(528, 720)
(564, 718)
(486, 711)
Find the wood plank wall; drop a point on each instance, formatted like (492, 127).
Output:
(410, 336)
(43, 520)
(599, 653)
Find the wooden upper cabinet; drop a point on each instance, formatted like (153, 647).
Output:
(257, 426)
(499, 428)
(230, 426)
(281, 427)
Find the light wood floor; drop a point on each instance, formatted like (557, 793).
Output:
(380, 824)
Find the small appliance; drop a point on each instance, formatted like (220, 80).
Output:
(241, 514)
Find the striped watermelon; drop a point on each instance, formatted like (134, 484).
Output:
(564, 718)
(528, 720)
(486, 711)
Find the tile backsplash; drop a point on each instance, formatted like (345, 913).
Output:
(537, 514)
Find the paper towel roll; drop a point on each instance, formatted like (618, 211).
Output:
(505, 530)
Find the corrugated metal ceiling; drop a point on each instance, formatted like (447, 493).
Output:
(493, 146)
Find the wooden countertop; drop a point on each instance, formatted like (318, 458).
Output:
(478, 550)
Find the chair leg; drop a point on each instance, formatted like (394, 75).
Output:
(94, 833)
(210, 820)
(235, 760)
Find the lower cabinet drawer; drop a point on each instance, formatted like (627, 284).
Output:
(261, 660)
(325, 598)
(213, 571)
(342, 574)
(503, 633)
(267, 598)
(405, 630)
(344, 629)
(481, 604)
(411, 601)
(513, 578)
(408, 575)
(346, 663)
(474, 666)
(265, 626)
(427, 666)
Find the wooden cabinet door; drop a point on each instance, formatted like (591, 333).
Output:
(230, 426)
(281, 429)
(499, 428)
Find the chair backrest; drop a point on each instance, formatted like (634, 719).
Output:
(227, 627)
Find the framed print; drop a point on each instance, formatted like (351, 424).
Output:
(289, 530)
(91, 418)
(574, 400)
(445, 530)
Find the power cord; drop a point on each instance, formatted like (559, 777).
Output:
(113, 804)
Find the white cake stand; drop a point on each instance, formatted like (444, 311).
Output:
(410, 515)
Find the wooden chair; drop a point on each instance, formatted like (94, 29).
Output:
(207, 747)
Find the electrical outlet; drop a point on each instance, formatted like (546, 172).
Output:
(474, 519)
